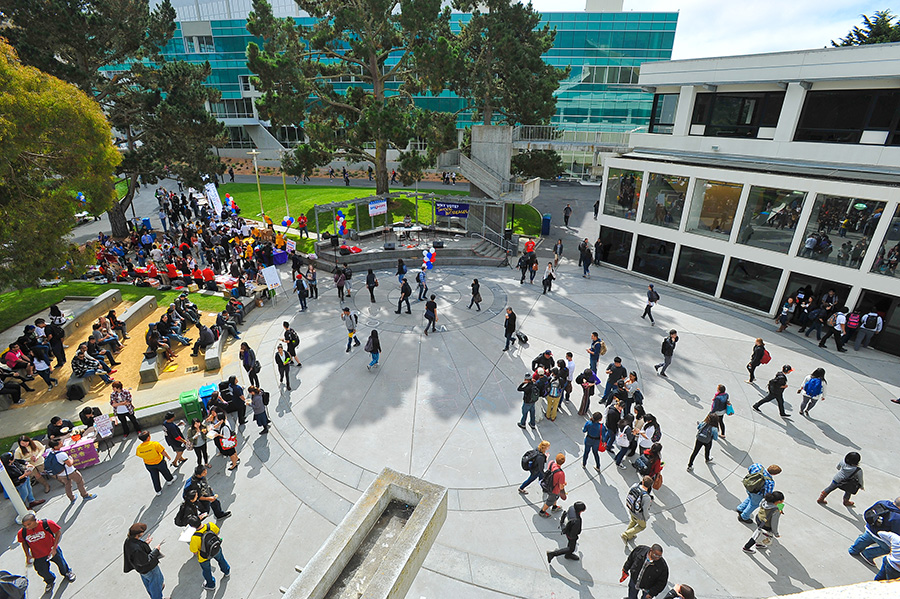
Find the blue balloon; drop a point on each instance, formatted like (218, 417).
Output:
(429, 266)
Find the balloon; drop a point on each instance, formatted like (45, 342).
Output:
(284, 223)
(228, 195)
(340, 213)
(432, 258)
(429, 266)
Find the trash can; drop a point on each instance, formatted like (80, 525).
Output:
(146, 223)
(206, 392)
(545, 225)
(190, 404)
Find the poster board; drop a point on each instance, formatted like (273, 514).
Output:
(377, 207)
(104, 426)
(272, 277)
(456, 209)
(290, 246)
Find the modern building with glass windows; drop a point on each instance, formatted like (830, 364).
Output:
(760, 175)
(604, 47)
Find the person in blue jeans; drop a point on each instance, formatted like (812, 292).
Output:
(529, 398)
(373, 346)
(538, 465)
(144, 560)
(890, 565)
(748, 506)
(593, 431)
(594, 351)
(868, 545)
(209, 582)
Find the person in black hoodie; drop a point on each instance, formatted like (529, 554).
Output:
(759, 350)
(140, 557)
(648, 570)
(570, 523)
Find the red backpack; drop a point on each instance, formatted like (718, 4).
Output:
(766, 357)
(853, 320)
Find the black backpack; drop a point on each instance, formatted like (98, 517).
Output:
(12, 586)
(878, 517)
(60, 334)
(871, 322)
(74, 393)
(210, 543)
(529, 458)
(657, 433)
(547, 479)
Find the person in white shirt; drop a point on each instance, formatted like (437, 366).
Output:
(890, 565)
(570, 364)
(69, 472)
(838, 328)
(869, 326)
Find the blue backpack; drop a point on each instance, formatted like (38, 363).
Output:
(813, 387)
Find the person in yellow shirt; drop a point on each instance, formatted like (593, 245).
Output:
(154, 456)
(207, 544)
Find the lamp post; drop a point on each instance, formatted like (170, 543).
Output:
(287, 210)
(255, 153)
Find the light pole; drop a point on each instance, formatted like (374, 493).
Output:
(255, 153)
(287, 210)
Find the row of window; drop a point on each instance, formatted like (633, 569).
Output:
(609, 75)
(839, 230)
(844, 116)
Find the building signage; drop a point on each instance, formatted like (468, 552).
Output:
(451, 209)
(377, 207)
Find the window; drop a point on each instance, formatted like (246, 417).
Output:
(662, 116)
(698, 270)
(622, 189)
(751, 284)
(815, 288)
(287, 136)
(665, 200)
(840, 230)
(653, 257)
(889, 251)
(616, 246)
(232, 109)
(202, 44)
(246, 85)
(238, 138)
(736, 115)
(842, 116)
(770, 218)
(713, 207)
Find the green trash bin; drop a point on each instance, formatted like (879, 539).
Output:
(190, 403)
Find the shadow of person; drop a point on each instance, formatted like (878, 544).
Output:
(616, 508)
(667, 530)
(574, 568)
(284, 402)
(189, 577)
(832, 434)
(683, 393)
(787, 568)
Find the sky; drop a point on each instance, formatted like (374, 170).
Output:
(721, 28)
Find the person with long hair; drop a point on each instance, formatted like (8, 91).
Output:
(248, 360)
(593, 431)
(759, 349)
(373, 346)
(198, 437)
(283, 362)
(706, 434)
(32, 452)
(476, 295)
(812, 391)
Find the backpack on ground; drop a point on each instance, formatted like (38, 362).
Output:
(766, 357)
(755, 482)
(210, 543)
(813, 387)
(878, 517)
(528, 459)
(871, 322)
(12, 586)
(547, 479)
(853, 320)
(74, 393)
(52, 465)
(634, 501)
(522, 337)
(643, 465)
(832, 320)
(657, 433)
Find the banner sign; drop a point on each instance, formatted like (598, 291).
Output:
(212, 194)
(377, 207)
(451, 209)
(290, 245)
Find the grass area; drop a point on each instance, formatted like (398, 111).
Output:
(19, 305)
(121, 187)
(302, 199)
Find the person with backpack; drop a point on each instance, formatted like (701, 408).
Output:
(534, 462)
(882, 515)
(595, 350)
(291, 341)
(554, 393)
(667, 350)
(59, 464)
(870, 325)
(207, 545)
(588, 380)
(206, 497)
(638, 501)
(890, 565)
(405, 293)
(20, 474)
(553, 484)
(531, 393)
(615, 372)
(849, 479)
(719, 410)
(757, 357)
(614, 414)
(40, 542)
(373, 347)
(350, 321)
(652, 300)
(570, 524)
(340, 279)
(301, 288)
(812, 391)
(144, 560)
(837, 326)
(430, 314)
(706, 434)
(175, 439)
(422, 284)
(401, 270)
(623, 437)
(650, 463)
(258, 401)
(371, 284)
(648, 434)
(758, 483)
(776, 387)
(770, 511)
(348, 274)
(787, 312)
(593, 433)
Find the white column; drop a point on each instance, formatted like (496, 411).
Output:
(685, 108)
(790, 112)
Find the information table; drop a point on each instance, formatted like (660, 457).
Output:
(83, 452)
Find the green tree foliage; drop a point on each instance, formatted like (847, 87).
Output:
(877, 29)
(305, 159)
(111, 50)
(546, 164)
(54, 143)
(499, 66)
(303, 75)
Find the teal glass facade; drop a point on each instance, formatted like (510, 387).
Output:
(604, 51)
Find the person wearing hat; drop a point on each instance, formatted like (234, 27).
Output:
(40, 542)
(776, 391)
(545, 361)
(144, 560)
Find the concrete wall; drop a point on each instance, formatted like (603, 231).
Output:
(492, 147)
(97, 307)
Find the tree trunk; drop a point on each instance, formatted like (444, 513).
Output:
(381, 171)
(488, 113)
(118, 221)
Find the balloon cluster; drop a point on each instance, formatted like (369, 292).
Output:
(428, 257)
(287, 221)
(80, 197)
(230, 203)
(342, 222)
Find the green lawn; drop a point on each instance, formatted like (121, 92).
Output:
(19, 305)
(302, 199)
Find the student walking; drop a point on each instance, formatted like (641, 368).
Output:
(571, 527)
(250, 364)
(593, 433)
(554, 486)
(667, 350)
(40, 542)
(557, 252)
(719, 409)
(549, 276)
(706, 434)
(144, 560)
(207, 545)
(476, 295)
(760, 355)
(350, 321)
(371, 284)
(869, 326)
(652, 300)
(283, 363)
(154, 456)
(291, 341)
(567, 213)
(401, 270)
(849, 479)
(405, 292)
(373, 346)
(175, 439)
(770, 511)
(638, 502)
(648, 571)
(430, 314)
(812, 391)
(58, 462)
(776, 388)
(758, 483)
(837, 326)
(536, 462)
(422, 284)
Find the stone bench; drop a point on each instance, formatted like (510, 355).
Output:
(212, 357)
(140, 310)
(151, 367)
(84, 383)
(98, 306)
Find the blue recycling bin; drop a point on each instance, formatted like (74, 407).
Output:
(146, 223)
(545, 225)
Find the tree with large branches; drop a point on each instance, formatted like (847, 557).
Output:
(350, 79)
(111, 49)
(880, 28)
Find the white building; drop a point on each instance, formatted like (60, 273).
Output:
(747, 157)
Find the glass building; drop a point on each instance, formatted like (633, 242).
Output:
(605, 51)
